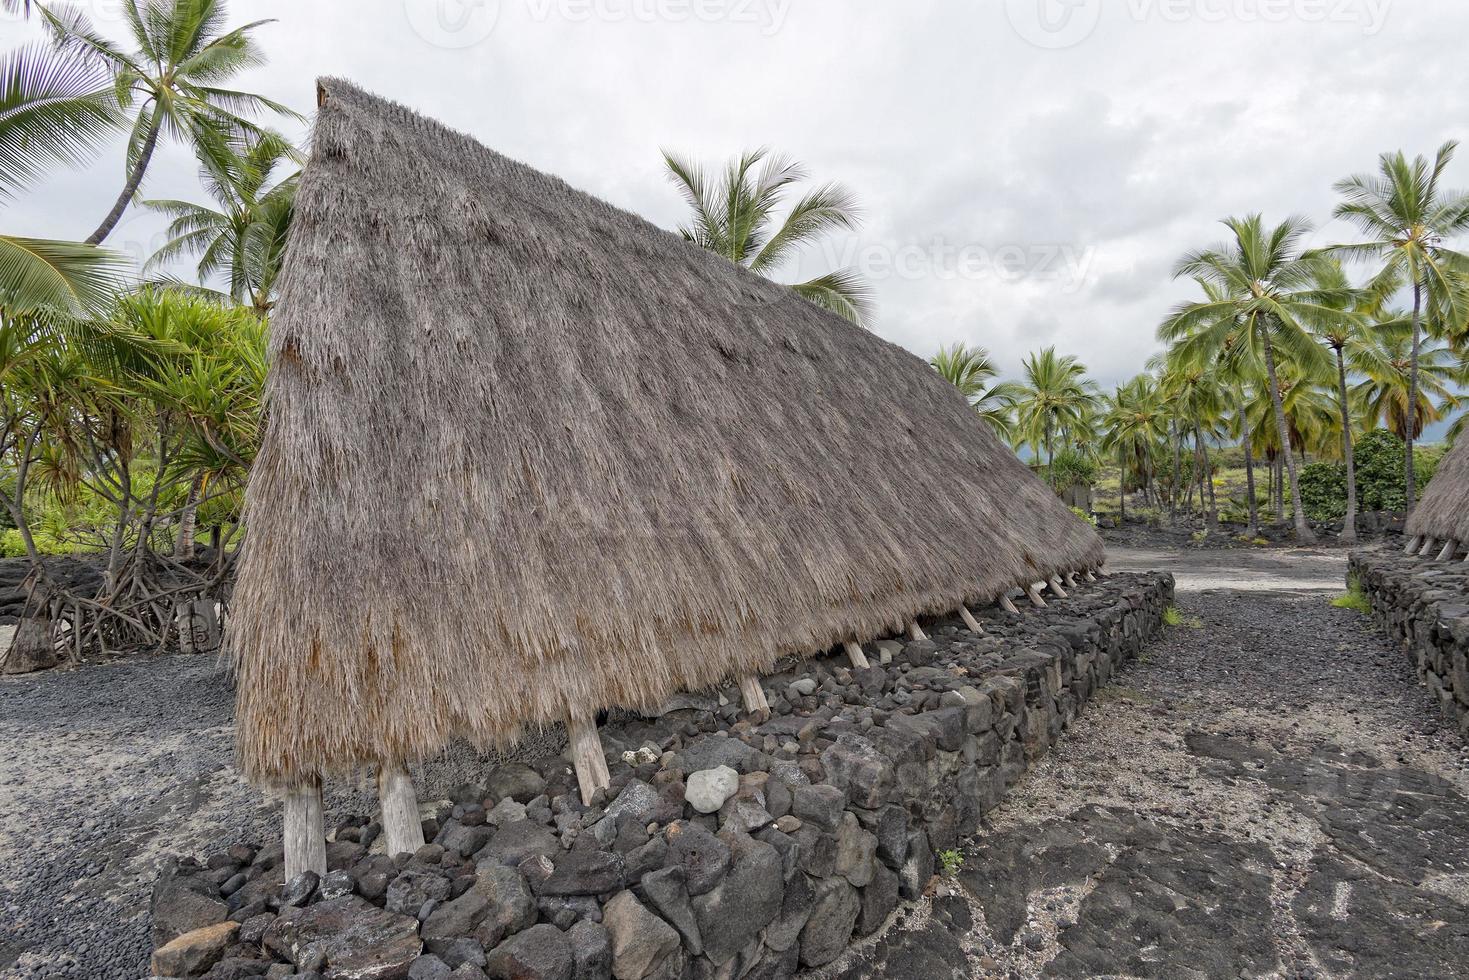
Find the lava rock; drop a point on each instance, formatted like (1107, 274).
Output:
(351, 938)
(703, 857)
(749, 897)
(192, 953)
(829, 928)
(641, 942)
(707, 790)
(539, 953)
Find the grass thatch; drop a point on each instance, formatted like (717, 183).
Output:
(1443, 512)
(528, 451)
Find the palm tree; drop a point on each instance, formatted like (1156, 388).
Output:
(183, 55)
(245, 238)
(1053, 395)
(1264, 282)
(1352, 337)
(1133, 424)
(1407, 215)
(735, 217)
(970, 369)
(52, 110)
(1387, 388)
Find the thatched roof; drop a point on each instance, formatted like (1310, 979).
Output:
(1444, 510)
(527, 451)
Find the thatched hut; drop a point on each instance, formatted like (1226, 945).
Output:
(1440, 523)
(529, 456)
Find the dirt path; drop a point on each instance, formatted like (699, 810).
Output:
(1269, 793)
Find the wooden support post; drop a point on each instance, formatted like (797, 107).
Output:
(915, 632)
(587, 757)
(1070, 579)
(754, 697)
(1034, 591)
(401, 825)
(1008, 606)
(1055, 583)
(855, 654)
(305, 833)
(1450, 548)
(1413, 545)
(1429, 543)
(1091, 576)
(969, 619)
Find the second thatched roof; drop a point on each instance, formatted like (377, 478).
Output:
(1443, 512)
(527, 452)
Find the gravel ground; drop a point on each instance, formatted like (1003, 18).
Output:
(1268, 792)
(108, 769)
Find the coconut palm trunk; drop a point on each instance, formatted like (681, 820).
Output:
(1410, 486)
(134, 181)
(1304, 534)
(1253, 528)
(188, 520)
(1206, 479)
(1173, 491)
(1349, 523)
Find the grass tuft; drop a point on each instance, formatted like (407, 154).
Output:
(1353, 598)
(1173, 616)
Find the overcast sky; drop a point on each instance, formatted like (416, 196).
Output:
(1029, 169)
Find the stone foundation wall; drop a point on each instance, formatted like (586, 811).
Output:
(723, 849)
(1424, 604)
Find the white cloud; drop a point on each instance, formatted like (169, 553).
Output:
(1124, 148)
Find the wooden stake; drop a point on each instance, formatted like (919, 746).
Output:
(754, 696)
(969, 619)
(1091, 576)
(855, 654)
(1450, 547)
(305, 834)
(915, 632)
(586, 754)
(1008, 606)
(401, 825)
(1413, 545)
(1429, 543)
(1070, 579)
(1034, 591)
(1055, 583)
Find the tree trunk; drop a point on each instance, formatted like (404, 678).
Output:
(1349, 523)
(1122, 485)
(1206, 479)
(1410, 489)
(1304, 534)
(1253, 528)
(1177, 471)
(183, 548)
(135, 179)
(33, 647)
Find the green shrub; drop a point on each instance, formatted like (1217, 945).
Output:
(1071, 469)
(1379, 458)
(1324, 491)
(1084, 516)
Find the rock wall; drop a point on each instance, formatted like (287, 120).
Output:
(723, 849)
(1424, 604)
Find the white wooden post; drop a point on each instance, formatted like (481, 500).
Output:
(1413, 545)
(587, 757)
(855, 654)
(1008, 606)
(305, 833)
(754, 697)
(401, 826)
(1449, 549)
(969, 619)
(1091, 576)
(1034, 591)
(1055, 583)
(1429, 543)
(1070, 579)
(915, 632)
